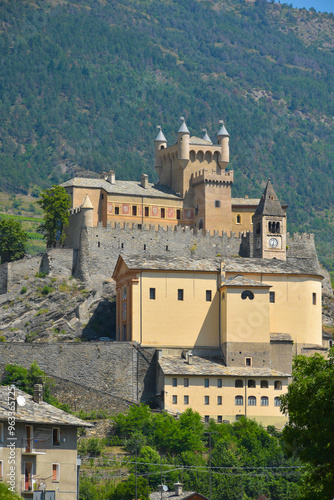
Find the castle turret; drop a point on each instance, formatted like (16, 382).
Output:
(87, 211)
(160, 142)
(183, 136)
(206, 137)
(223, 138)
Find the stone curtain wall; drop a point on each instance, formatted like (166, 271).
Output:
(117, 370)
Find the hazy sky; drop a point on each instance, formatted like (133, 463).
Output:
(319, 5)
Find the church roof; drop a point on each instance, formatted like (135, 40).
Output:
(269, 202)
(123, 187)
(175, 365)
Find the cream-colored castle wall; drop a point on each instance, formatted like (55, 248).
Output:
(245, 320)
(246, 214)
(228, 410)
(218, 218)
(78, 195)
(168, 321)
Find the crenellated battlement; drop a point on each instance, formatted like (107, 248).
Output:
(301, 236)
(212, 177)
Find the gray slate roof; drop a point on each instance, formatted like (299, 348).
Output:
(240, 280)
(269, 203)
(123, 187)
(39, 413)
(170, 495)
(245, 201)
(237, 265)
(175, 365)
(199, 141)
(280, 337)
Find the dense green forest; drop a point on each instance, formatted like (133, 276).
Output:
(84, 83)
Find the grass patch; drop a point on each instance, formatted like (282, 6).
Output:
(41, 311)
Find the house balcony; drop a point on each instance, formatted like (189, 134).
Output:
(34, 446)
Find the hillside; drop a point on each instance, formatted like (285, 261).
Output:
(85, 83)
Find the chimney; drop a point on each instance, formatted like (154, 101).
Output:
(38, 393)
(222, 272)
(178, 489)
(111, 177)
(189, 358)
(144, 181)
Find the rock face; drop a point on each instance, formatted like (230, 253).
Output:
(51, 309)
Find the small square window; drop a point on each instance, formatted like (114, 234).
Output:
(278, 385)
(102, 196)
(174, 400)
(147, 211)
(186, 382)
(174, 382)
(277, 401)
(219, 400)
(180, 294)
(186, 400)
(206, 400)
(134, 210)
(152, 293)
(178, 214)
(1, 469)
(56, 436)
(116, 210)
(314, 299)
(217, 203)
(162, 213)
(206, 418)
(219, 419)
(251, 384)
(272, 297)
(1, 433)
(206, 382)
(219, 382)
(208, 295)
(248, 361)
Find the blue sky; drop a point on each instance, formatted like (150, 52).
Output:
(319, 5)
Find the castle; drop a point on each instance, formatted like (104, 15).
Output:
(213, 283)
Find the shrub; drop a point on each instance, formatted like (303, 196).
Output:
(23, 290)
(46, 290)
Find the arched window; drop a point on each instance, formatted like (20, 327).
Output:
(238, 219)
(264, 401)
(239, 400)
(238, 383)
(247, 294)
(251, 384)
(264, 384)
(278, 384)
(251, 401)
(277, 401)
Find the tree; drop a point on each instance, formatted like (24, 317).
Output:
(12, 240)
(56, 204)
(6, 494)
(310, 432)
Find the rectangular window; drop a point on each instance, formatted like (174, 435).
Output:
(147, 211)
(1, 433)
(55, 472)
(134, 210)
(152, 293)
(174, 400)
(180, 294)
(208, 295)
(217, 203)
(178, 214)
(56, 436)
(186, 400)
(1, 469)
(116, 210)
(248, 361)
(219, 419)
(206, 382)
(314, 299)
(206, 400)
(206, 419)
(162, 213)
(219, 400)
(174, 382)
(124, 332)
(272, 297)
(186, 382)
(219, 382)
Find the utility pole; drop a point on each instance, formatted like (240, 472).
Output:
(136, 476)
(210, 469)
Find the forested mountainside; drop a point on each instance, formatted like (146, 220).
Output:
(84, 83)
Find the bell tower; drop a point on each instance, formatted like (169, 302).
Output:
(269, 227)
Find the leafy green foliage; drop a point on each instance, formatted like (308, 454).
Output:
(55, 203)
(12, 240)
(309, 435)
(5, 494)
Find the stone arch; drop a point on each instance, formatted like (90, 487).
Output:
(200, 156)
(192, 155)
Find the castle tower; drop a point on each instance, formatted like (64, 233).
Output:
(160, 143)
(269, 227)
(183, 137)
(87, 211)
(223, 138)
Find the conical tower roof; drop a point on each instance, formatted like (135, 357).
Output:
(87, 203)
(223, 130)
(160, 136)
(206, 137)
(269, 203)
(183, 128)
